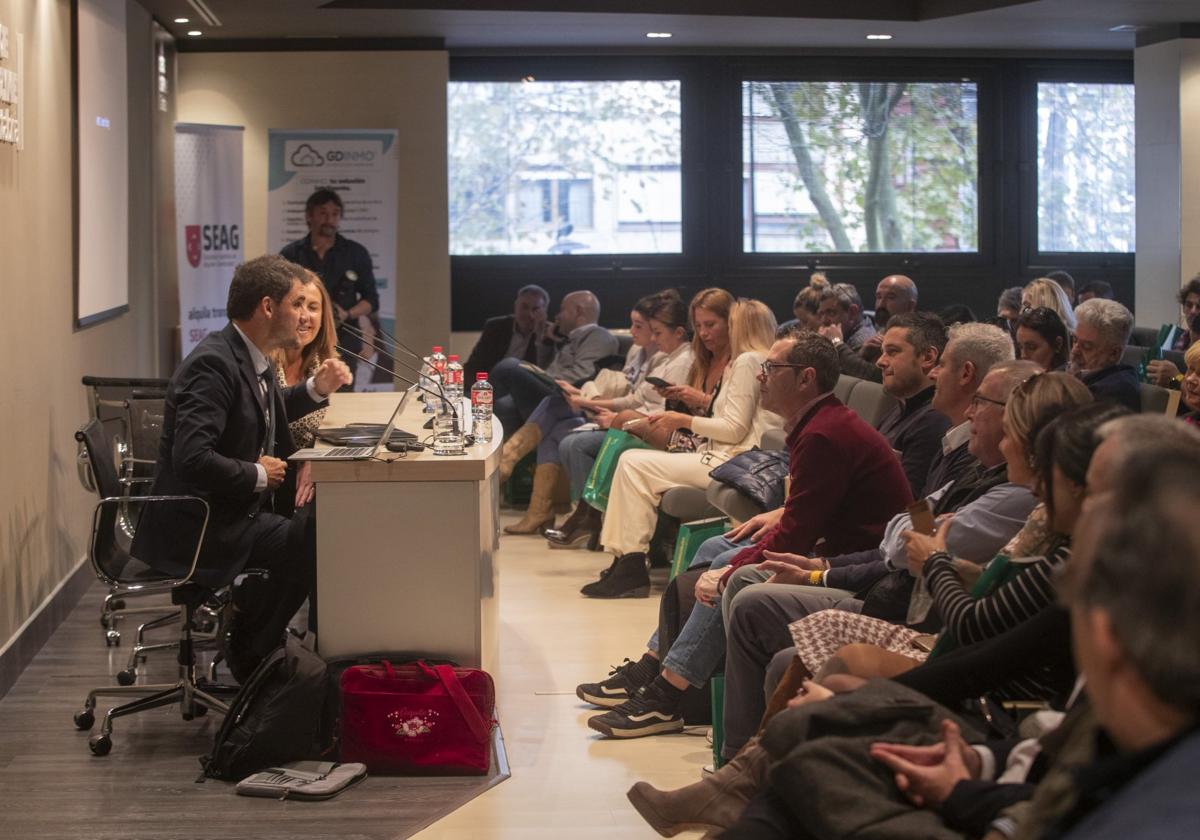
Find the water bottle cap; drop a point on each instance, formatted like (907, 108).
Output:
(453, 357)
(437, 348)
(481, 376)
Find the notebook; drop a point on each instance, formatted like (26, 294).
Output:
(354, 453)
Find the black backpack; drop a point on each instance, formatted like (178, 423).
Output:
(275, 716)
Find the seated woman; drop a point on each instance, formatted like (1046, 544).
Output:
(1045, 292)
(698, 445)
(1189, 389)
(577, 451)
(1042, 338)
(558, 415)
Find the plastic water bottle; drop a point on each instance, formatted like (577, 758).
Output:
(437, 377)
(481, 408)
(453, 383)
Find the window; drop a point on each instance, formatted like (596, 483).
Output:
(860, 166)
(1085, 158)
(564, 167)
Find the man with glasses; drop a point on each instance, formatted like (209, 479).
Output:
(845, 484)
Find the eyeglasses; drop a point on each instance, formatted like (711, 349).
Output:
(979, 398)
(768, 366)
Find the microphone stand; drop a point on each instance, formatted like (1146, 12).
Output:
(441, 392)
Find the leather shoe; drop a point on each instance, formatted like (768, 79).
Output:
(627, 577)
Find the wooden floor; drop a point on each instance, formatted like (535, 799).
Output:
(566, 781)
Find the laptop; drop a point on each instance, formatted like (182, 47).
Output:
(354, 453)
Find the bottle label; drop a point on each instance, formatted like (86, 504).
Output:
(481, 398)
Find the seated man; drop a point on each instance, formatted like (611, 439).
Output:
(841, 309)
(895, 295)
(988, 510)
(577, 343)
(516, 336)
(1101, 333)
(846, 483)
(911, 348)
(225, 439)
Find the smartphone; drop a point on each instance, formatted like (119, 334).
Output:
(658, 382)
(925, 642)
(922, 517)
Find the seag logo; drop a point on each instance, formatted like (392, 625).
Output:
(202, 239)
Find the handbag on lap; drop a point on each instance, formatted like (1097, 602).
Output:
(417, 719)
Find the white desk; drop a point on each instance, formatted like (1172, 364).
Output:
(405, 548)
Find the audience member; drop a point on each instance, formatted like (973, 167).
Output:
(343, 265)
(842, 316)
(1095, 289)
(697, 444)
(805, 306)
(1066, 282)
(516, 336)
(580, 343)
(1009, 306)
(1161, 371)
(222, 404)
(912, 346)
(1042, 338)
(845, 483)
(988, 509)
(1190, 386)
(1045, 292)
(895, 295)
(577, 452)
(1101, 334)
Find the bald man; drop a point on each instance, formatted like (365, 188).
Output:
(894, 295)
(573, 344)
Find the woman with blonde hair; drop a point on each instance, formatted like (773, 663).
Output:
(697, 445)
(295, 365)
(1045, 292)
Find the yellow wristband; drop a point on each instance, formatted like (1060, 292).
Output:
(814, 578)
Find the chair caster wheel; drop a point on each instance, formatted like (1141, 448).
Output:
(85, 719)
(112, 638)
(126, 677)
(100, 744)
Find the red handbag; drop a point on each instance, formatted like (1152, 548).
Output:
(417, 720)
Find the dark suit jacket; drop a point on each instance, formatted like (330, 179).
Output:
(1118, 384)
(492, 346)
(214, 430)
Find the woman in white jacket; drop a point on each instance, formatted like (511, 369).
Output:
(736, 424)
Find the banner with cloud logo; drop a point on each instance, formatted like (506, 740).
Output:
(361, 166)
(208, 224)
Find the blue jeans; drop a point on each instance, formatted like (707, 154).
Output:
(517, 393)
(701, 642)
(555, 417)
(577, 453)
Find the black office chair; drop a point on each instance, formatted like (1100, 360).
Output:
(114, 565)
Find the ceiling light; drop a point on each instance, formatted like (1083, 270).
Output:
(880, 37)
(183, 20)
(1124, 27)
(195, 33)
(658, 34)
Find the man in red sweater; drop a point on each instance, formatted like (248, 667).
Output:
(846, 483)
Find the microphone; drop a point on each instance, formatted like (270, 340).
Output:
(440, 393)
(357, 333)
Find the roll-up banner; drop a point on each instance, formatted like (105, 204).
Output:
(361, 166)
(208, 221)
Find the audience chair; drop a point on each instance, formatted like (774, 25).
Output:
(1158, 400)
(844, 386)
(870, 402)
(114, 565)
(1133, 355)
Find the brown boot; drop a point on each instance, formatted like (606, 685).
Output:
(523, 441)
(540, 514)
(717, 800)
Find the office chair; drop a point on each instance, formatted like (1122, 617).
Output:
(114, 565)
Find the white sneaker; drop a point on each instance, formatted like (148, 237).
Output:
(708, 736)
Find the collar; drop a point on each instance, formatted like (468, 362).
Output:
(338, 240)
(256, 356)
(916, 401)
(797, 419)
(956, 437)
(580, 330)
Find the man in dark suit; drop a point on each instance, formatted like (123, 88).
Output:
(226, 439)
(518, 335)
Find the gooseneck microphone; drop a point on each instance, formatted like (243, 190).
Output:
(389, 338)
(440, 393)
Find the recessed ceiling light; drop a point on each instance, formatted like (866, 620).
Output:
(879, 37)
(658, 34)
(183, 20)
(195, 33)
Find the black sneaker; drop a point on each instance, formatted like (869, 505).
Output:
(650, 711)
(622, 682)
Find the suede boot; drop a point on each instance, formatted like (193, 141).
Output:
(714, 801)
(540, 513)
(582, 526)
(523, 441)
